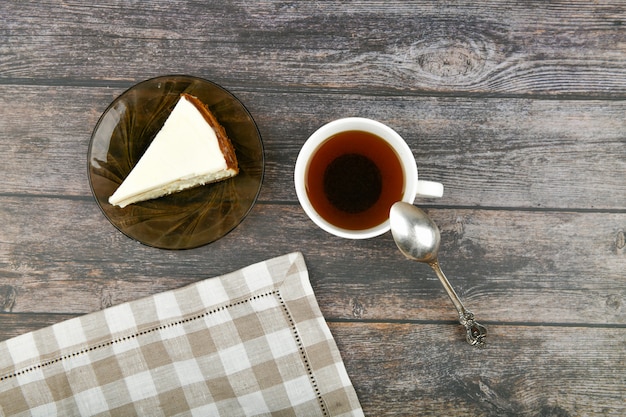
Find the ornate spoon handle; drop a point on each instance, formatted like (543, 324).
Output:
(475, 332)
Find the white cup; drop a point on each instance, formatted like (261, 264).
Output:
(412, 186)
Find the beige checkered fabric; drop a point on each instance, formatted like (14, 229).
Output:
(252, 342)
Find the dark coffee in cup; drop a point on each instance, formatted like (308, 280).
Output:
(353, 179)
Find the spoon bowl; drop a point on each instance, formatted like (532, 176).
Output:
(418, 238)
(416, 235)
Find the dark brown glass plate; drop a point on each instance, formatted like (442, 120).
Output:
(189, 218)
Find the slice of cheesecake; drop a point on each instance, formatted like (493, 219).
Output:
(191, 149)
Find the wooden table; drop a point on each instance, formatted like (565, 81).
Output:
(519, 108)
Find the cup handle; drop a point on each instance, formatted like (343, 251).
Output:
(429, 189)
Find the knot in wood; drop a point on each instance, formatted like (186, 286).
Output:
(357, 308)
(620, 240)
(450, 60)
(7, 298)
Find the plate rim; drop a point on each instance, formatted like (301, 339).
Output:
(192, 78)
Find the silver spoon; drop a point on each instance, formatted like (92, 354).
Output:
(418, 237)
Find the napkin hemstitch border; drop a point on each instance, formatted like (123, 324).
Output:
(270, 279)
(136, 334)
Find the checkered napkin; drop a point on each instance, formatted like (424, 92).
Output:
(252, 342)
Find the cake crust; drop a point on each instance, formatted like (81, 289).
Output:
(191, 149)
(225, 144)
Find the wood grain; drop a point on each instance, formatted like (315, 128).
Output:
(486, 152)
(507, 48)
(538, 371)
(415, 369)
(496, 259)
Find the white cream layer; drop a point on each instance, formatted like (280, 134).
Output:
(184, 153)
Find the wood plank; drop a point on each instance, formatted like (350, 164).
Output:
(569, 48)
(487, 152)
(421, 369)
(62, 256)
(44, 137)
(415, 370)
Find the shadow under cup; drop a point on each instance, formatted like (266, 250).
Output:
(347, 180)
